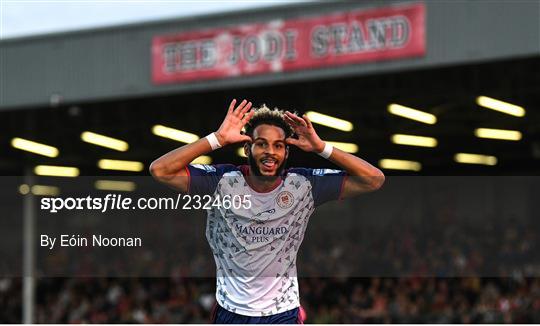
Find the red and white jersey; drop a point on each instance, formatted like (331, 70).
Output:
(255, 239)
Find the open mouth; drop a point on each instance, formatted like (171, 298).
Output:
(269, 164)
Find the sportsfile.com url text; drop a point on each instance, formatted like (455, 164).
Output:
(120, 202)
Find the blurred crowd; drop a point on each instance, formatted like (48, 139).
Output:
(493, 248)
(326, 300)
(10, 300)
(422, 300)
(437, 271)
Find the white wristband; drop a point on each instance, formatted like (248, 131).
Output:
(327, 151)
(214, 143)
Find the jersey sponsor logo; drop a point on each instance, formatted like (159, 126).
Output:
(205, 167)
(260, 230)
(285, 199)
(325, 171)
(255, 234)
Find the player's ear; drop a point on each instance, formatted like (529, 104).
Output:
(287, 152)
(247, 148)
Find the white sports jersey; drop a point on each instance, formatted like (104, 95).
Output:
(255, 240)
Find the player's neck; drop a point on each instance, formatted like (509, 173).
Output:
(262, 183)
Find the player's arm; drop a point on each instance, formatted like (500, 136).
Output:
(363, 177)
(170, 168)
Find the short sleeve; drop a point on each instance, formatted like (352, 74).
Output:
(203, 179)
(326, 184)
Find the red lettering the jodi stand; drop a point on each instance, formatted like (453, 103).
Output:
(287, 45)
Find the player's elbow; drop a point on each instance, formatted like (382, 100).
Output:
(377, 180)
(380, 181)
(156, 169)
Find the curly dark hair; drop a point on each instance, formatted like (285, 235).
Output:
(264, 115)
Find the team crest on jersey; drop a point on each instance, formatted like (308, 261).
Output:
(284, 199)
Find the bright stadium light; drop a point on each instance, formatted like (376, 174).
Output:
(24, 189)
(414, 140)
(468, 158)
(104, 141)
(346, 147)
(498, 134)
(33, 147)
(202, 160)
(120, 165)
(412, 114)
(40, 190)
(391, 164)
(174, 134)
(56, 171)
(240, 152)
(500, 106)
(113, 185)
(329, 121)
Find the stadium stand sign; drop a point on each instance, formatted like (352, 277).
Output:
(285, 45)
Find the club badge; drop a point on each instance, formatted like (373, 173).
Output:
(285, 199)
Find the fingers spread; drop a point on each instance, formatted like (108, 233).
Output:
(309, 124)
(247, 117)
(295, 118)
(231, 106)
(239, 108)
(295, 123)
(245, 109)
(290, 121)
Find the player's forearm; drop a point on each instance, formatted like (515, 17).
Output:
(173, 163)
(360, 170)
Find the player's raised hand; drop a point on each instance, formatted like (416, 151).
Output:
(308, 140)
(230, 130)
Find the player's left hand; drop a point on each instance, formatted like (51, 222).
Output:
(308, 140)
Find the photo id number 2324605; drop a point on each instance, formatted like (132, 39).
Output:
(209, 202)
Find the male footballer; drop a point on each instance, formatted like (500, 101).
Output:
(256, 237)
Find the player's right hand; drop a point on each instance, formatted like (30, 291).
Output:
(230, 131)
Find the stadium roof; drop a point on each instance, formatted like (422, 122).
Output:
(56, 87)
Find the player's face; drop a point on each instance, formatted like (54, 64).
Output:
(268, 152)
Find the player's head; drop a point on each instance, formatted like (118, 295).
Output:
(268, 152)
